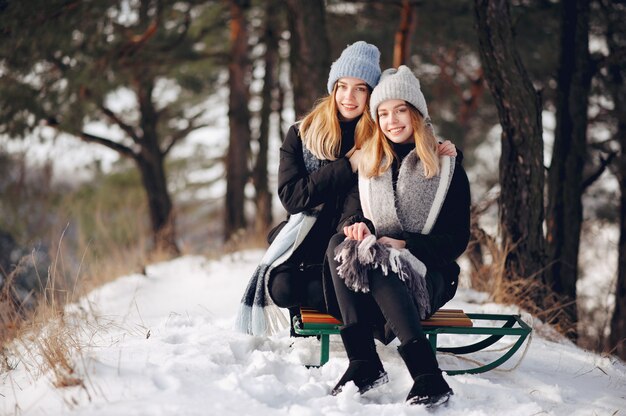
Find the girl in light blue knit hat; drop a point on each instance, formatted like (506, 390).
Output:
(351, 79)
(314, 175)
(394, 263)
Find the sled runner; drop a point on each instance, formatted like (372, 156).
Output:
(444, 321)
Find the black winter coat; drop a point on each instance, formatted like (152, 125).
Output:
(300, 190)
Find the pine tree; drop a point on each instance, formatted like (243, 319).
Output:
(615, 15)
(309, 56)
(521, 161)
(237, 172)
(564, 212)
(65, 62)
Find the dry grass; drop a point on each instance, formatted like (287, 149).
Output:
(527, 292)
(51, 346)
(47, 341)
(106, 239)
(9, 311)
(245, 240)
(40, 338)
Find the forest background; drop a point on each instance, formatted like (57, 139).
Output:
(172, 113)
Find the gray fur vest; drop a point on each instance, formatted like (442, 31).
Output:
(413, 207)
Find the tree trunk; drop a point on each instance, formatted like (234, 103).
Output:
(403, 34)
(239, 122)
(521, 161)
(474, 250)
(150, 162)
(283, 127)
(263, 218)
(616, 17)
(564, 213)
(159, 203)
(310, 51)
(617, 339)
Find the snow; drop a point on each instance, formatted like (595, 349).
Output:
(163, 344)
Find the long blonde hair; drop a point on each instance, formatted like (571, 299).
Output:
(378, 154)
(321, 133)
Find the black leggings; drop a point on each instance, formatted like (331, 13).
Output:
(389, 294)
(292, 285)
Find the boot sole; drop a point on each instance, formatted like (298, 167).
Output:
(432, 401)
(382, 379)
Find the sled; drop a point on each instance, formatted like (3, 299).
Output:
(444, 321)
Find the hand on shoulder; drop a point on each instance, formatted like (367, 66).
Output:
(355, 158)
(447, 148)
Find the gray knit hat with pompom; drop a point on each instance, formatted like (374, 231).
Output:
(399, 84)
(359, 60)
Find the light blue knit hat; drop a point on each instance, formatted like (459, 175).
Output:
(359, 60)
(399, 84)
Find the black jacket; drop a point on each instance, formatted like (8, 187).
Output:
(300, 190)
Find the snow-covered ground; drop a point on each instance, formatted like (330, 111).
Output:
(163, 344)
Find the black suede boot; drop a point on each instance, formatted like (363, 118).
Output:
(365, 368)
(429, 387)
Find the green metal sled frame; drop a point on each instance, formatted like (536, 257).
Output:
(513, 326)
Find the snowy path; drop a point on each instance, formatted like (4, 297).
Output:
(192, 363)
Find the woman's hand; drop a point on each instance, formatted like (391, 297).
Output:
(357, 231)
(446, 149)
(355, 159)
(392, 242)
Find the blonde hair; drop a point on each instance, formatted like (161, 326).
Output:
(378, 154)
(321, 133)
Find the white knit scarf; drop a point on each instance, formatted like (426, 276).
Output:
(413, 207)
(258, 315)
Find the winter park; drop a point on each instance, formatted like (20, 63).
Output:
(312, 207)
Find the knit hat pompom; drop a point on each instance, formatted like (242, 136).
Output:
(359, 60)
(399, 84)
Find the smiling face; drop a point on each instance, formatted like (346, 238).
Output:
(394, 119)
(351, 97)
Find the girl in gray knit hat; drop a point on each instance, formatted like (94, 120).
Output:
(407, 221)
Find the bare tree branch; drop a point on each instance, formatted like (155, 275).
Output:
(604, 163)
(125, 151)
(118, 147)
(490, 198)
(127, 128)
(602, 144)
(181, 134)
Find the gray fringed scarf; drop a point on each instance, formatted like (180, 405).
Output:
(258, 315)
(415, 208)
